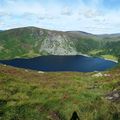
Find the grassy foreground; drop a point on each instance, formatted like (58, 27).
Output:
(31, 95)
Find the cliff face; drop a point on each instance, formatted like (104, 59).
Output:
(58, 44)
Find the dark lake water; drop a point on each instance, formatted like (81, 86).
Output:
(62, 63)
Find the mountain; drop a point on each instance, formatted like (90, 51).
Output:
(32, 41)
(27, 94)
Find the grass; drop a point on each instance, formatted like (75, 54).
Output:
(110, 57)
(105, 56)
(29, 95)
(30, 54)
(94, 52)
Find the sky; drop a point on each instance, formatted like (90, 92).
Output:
(93, 16)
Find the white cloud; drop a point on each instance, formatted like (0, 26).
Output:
(18, 7)
(66, 11)
(91, 13)
(85, 17)
(2, 23)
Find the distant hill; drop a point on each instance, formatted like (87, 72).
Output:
(32, 41)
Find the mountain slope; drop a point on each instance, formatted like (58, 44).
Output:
(32, 41)
(30, 95)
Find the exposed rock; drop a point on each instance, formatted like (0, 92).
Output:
(97, 75)
(107, 75)
(114, 95)
(26, 71)
(40, 72)
(57, 45)
(4, 65)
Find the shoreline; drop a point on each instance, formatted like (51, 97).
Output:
(111, 60)
(85, 55)
(100, 57)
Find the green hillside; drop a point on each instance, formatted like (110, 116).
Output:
(32, 41)
(36, 95)
(31, 95)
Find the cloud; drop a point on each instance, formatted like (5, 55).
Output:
(2, 23)
(4, 14)
(18, 7)
(91, 13)
(66, 11)
(85, 15)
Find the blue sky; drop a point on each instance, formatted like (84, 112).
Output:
(93, 16)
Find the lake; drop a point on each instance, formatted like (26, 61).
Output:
(76, 63)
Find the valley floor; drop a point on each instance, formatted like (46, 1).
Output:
(32, 95)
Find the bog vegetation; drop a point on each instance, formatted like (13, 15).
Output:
(31, 95)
